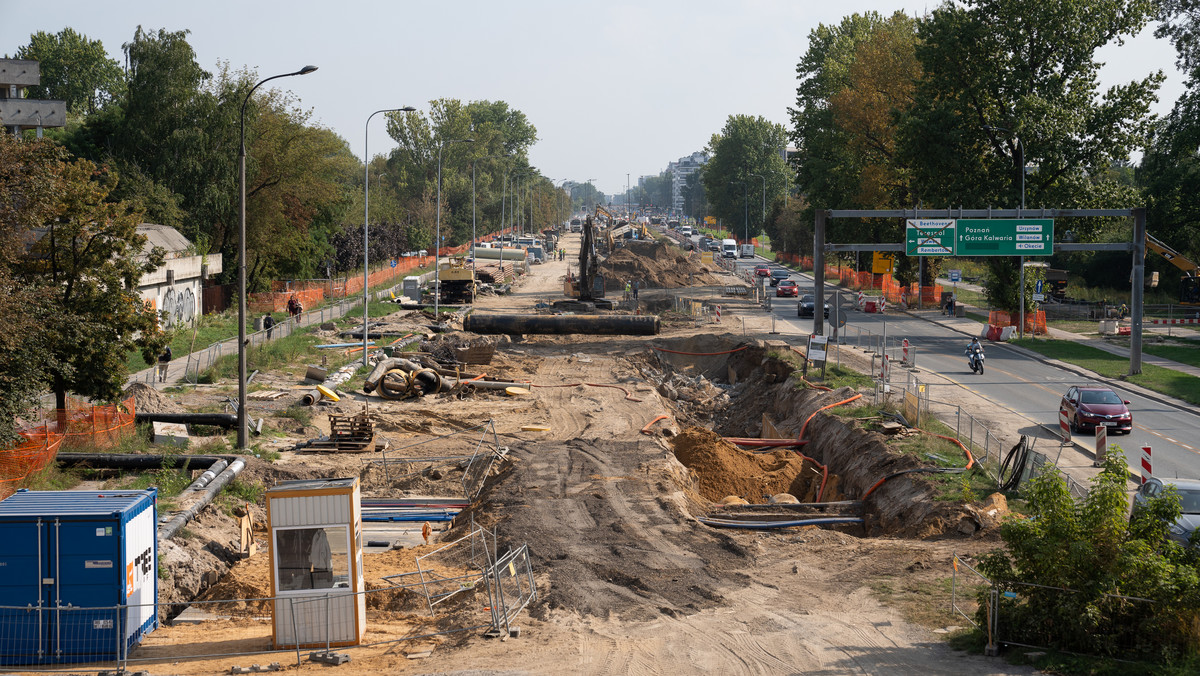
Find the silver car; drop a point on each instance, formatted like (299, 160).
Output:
(1189, 503)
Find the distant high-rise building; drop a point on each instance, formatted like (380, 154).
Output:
(680, 171)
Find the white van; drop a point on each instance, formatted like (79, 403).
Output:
(747, 251)
(729, 248)
(685, 230)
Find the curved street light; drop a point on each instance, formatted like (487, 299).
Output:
(437, 237)
(241, 411)
(367, 213)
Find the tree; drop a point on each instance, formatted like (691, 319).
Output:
(28, 188)
(74, 69)
(1093, 548)
(744, 155)
(1001, 71)
(85, 263)
(1170, 171)
(856, 83)
(496, 130)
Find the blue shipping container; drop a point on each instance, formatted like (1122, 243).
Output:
(78, 576)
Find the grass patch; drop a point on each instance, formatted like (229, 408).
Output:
(301, 414)
(1162, 380)
(52, 478)
(1081, 326)
(1184, 354)
(976, 298)
(295, 348)
(922, 602)
(982, 319)
(378, 308)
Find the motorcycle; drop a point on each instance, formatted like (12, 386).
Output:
(975, 359)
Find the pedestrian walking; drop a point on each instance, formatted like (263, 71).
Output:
(635, 290)
(164, 360)
(268, 324)
(628, 287)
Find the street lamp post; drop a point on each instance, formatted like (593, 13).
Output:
(474, 235)
(437, 238)
(241, 411)
(1020, 161)
(367, 214)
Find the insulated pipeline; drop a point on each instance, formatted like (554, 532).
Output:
(168, 529)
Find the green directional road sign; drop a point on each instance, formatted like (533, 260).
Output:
(1005, 237)
(929, 237)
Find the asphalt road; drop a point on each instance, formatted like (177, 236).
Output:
(1023, 384)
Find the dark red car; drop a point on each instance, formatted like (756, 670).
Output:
(1089, 406)
(762, 271)
(787, 287)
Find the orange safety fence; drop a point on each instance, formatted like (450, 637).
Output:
(79, 425)
(1034, 321)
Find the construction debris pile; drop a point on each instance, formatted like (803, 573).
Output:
(654, 265)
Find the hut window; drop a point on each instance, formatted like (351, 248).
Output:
(312, 558)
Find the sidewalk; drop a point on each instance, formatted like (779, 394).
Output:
(192, 364)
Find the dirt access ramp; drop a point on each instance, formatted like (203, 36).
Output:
(633, 584)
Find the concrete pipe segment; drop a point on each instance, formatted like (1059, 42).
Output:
(610, 325)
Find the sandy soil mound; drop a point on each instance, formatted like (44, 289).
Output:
(146, 399)
(723, 469)
(654, 265)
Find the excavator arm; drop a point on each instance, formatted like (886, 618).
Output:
(1177, 259)
(1189, 285)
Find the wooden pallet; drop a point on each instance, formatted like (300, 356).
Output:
(475, 354)
(348, 434)
(267, 395)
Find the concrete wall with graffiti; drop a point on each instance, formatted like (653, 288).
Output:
(176, 289)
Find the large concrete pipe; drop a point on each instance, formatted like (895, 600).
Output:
(505, 254)
(610, 325)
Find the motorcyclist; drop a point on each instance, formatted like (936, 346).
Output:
(972, 347)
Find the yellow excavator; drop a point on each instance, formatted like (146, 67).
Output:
(1189, 285)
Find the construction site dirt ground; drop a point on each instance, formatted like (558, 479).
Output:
(628, 581)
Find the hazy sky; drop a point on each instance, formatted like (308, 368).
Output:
(613, 87)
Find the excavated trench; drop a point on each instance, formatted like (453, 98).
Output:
(732, 387)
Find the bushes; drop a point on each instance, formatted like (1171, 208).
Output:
(1105, 585)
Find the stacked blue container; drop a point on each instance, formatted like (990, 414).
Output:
(78, 576)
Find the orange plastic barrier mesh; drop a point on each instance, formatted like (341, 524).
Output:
(79, 425)
(1034, 321)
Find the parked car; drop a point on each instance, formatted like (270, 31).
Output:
(762, 271)
(787, 287)
(1189, 502)
(1087, 406)
(778, 274)
(808, 302)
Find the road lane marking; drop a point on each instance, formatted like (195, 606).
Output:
(1047, 389)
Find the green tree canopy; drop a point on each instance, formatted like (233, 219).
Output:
(1005, 88)
(745, 158)
(84, 262)
(75, 69)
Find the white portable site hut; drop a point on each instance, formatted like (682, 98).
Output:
(316, 563)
